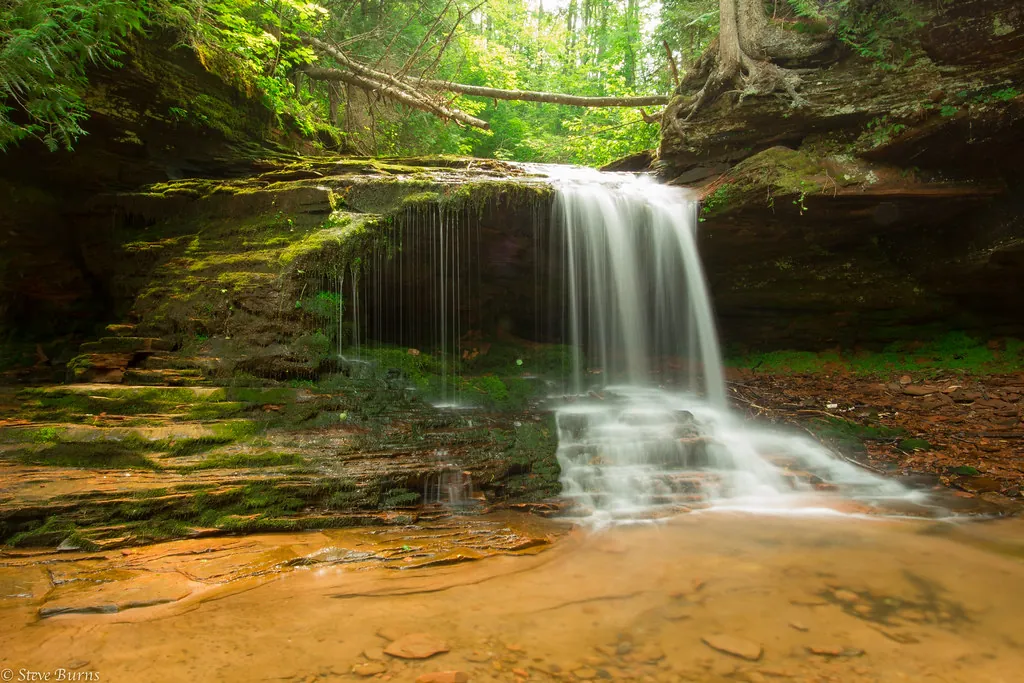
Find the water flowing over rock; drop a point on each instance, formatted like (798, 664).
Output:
(646, 430)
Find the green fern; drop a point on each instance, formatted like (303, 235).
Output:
(806, 8)
(46, 46)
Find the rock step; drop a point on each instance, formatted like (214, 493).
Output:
(126, 345)
(104, 368)
(168, 377)
(121, 330)
(162, 361)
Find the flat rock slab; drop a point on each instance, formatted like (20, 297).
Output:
(416, 646)
(737, 647)
(444, 677)
(117, 596)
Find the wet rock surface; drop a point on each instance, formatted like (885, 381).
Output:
(106, 466)
(575, 612)
(185, 572)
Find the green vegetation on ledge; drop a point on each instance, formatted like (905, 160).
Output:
(953, 351)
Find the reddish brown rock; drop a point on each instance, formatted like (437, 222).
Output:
(416, 646)
(443, 677)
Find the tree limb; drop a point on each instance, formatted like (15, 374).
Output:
(395, 93)
(536, 96)
(430, 32)
(672, 63)
(451, 34)
(359, 68)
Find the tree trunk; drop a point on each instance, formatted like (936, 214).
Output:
(332, 103)
(741, 58)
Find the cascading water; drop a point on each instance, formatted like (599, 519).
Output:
(648, 428)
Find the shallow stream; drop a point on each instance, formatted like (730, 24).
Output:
(806, 596)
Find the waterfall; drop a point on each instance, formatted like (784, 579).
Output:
(647, 429)
(636, 286)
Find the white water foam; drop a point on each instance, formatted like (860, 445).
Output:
(637, 304)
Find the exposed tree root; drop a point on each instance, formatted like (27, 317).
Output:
(750, 78)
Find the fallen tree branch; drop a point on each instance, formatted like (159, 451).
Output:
(359, 68)
(536, 96)
(397, 94)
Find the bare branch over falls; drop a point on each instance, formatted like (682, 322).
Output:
(423, 94)
(536, 96)
(396, 94)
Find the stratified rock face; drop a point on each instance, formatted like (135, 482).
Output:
(886, 208)
(804, 252)
(952, 101)
(261, 265)
(976, 32)
(56, 249)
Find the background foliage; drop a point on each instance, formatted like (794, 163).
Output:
(586, 47)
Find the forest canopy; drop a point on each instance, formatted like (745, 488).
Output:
(590, 48)
(605, 48)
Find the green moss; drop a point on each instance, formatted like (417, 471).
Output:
(533, 467)
(842, 428)
(203, 444)
(778, 173)
(419, 369)
(1000, 28)
(50, 532)
(47, 434)
(237, 429)
(504, 358)
(220, 410)
(479, 195)
(251, 524)
(127, 454)
(156, 530)
(419, 199)
(245, 461)
(332, 236)
(787, 362)
(399, 497)
(914, 445)
(952, 351)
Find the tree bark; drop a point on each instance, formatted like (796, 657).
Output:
(536, 96)
(397, 94)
